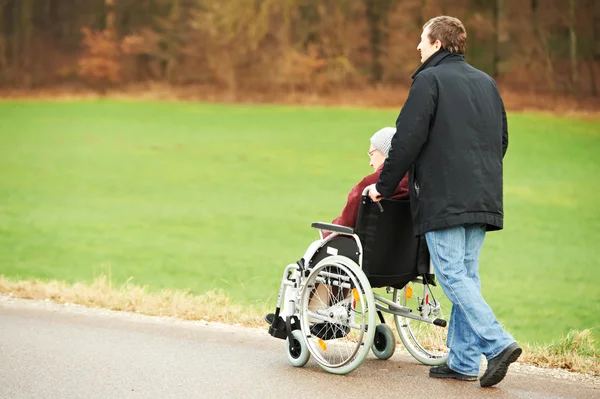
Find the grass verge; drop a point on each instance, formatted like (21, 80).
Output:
(212, 306)
(576, 352)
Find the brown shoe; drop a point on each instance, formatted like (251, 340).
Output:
(444, 371)
(498, 366)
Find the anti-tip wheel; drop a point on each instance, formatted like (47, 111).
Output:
(384, 343)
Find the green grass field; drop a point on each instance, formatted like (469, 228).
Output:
(198, 196)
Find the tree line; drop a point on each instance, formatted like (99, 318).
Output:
(550, 46)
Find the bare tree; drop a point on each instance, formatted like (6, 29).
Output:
(499, 36)
(545, 47)
(573, 48)
(27, 33)
(595, 59)
(3, 46)
(422, 13)
(111, 16)
(377, 16)
(15, 41)
(172, 36)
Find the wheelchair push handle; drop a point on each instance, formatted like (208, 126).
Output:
(365, 193)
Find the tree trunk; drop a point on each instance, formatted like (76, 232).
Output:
(377, 18)
(15, 51)
(573, 48)
(545, 49)
(422, 13)
(2, 37)
(47, 12)
(500, 36)
(596, 25)
(27, 33)
(173, 35)
(596, 50)
(375, 38)
(111, 17)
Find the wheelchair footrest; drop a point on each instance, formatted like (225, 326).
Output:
(279, 329)
(277, 333)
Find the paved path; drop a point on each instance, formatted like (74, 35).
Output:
(57, 351)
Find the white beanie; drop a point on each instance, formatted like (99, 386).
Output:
(382, 139)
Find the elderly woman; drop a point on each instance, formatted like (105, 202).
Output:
(381, 142)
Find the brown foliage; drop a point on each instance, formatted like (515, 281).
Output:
(311, 46)
(99, 63)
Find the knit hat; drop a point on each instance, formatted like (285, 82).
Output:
(382, 139)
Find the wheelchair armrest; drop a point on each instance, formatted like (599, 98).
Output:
(333, 227)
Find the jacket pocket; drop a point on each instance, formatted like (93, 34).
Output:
(417, 189)
(413, 182)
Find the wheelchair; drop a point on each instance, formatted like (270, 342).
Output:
(330, 310)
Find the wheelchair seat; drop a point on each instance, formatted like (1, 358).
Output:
(391, 254)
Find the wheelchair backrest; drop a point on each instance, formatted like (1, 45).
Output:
(392, 255)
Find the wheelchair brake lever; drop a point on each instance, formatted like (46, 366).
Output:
(367, 198)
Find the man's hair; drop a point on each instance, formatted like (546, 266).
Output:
(449, 31)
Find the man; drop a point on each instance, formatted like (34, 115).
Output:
(452, 134)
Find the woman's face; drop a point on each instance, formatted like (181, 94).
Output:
(376, 157)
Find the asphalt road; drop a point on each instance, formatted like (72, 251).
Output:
(57, 351)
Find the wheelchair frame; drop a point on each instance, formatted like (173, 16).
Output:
(381, 340)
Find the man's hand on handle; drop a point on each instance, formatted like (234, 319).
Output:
(374, 194)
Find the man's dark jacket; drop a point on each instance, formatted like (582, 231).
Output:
(452, 134)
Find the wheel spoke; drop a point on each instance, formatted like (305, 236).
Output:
(425, 341)
(334, 314)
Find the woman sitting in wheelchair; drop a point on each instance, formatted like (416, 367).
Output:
(380, 144)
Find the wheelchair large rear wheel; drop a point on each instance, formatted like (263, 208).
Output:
(425, 341)
(338, 314)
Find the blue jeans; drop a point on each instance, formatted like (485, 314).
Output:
(473, 329)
